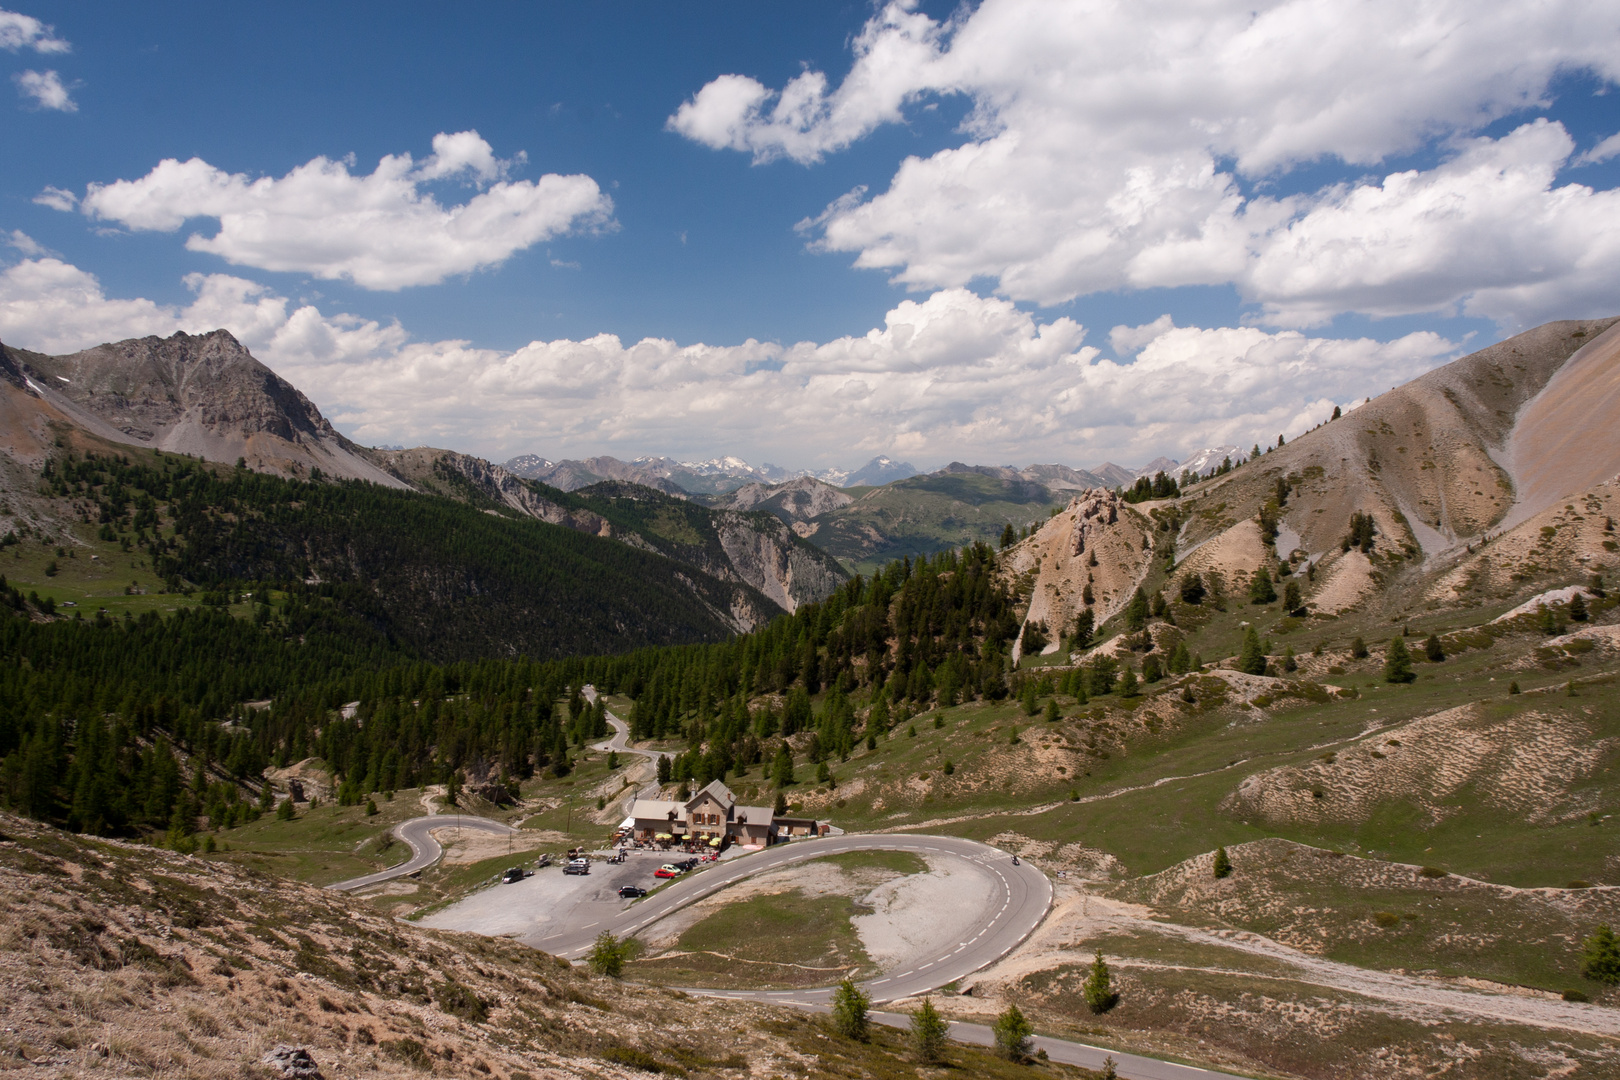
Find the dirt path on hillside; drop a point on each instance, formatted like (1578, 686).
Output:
(1079, 916)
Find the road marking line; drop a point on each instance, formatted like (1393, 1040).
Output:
(904, 974)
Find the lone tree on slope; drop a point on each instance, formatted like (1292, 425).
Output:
(928, 1030)
(1398, 663)
(1098, 988)
(1252, 661)
(849, 1009)
(1013, 1032)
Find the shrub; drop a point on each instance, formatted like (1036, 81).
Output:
(928, 1030)
(1012, 1031)
(1433, 872)
(1358, 649)
(1223, 864)
(457, 1000)
(1601, 962)
(1576, 995)
(1386, 919)
(1433, 651)
(849, 1009)
(409, 1051)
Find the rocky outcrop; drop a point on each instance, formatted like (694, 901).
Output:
(1099, 541)
(773, 561)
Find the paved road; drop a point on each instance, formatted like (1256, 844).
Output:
(425, 851)
(1130, 1066)
(1024, 897)
(621, 743)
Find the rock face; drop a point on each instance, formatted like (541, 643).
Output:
(203, 395)
(772, 561)
(1096, 527)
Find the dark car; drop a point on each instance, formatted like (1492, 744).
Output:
(631, 892)
(687, 864)
(579, 866)
(517, 873)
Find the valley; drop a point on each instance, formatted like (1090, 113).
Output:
(1319, 752)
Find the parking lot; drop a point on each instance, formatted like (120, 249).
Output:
(550, 902)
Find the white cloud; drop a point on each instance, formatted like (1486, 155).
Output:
(45, 90)
(1126, 340)
(26, 244)
(26, 32)
(381, 231)
(955, 375)
(1121, 145)
(57, 199)
(1603, 151)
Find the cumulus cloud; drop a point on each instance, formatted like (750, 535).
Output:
(381, 230)
(1133, 145)
(26, 32)
(955, 375)
(45, 90)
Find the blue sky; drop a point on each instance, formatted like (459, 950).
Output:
(918, 229)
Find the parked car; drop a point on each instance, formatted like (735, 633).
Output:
(686, 864)
(516, 873)
(578, 866)
(543, 861)
(667, 871)
(631, 892)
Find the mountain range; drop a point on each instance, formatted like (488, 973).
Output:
(1322, 745)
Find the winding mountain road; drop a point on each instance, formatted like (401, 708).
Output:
(425, 851)
(621, 743)
(1024, 897)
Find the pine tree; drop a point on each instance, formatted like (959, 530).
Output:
(1051, 710)
(1358, 649)
(1336, 413)
(1292, 603)
(1601, 962)
(1223, 863)
(1433, 651)
(1028, 698)
(782, 767)
(1260, 588)
(849, 1010)
(1398, 662)
(1008, 537)
(1013, 1032)
(928, 1031)
(1577, 608)
(1136, 612)
(1252, 661)
(1085, 624)
(1098, 989)
(1128, 687)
